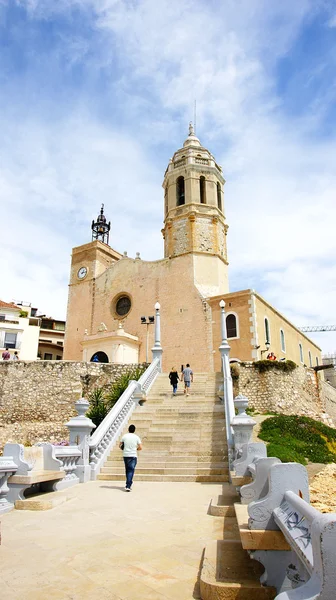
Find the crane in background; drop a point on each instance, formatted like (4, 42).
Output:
(318, 328)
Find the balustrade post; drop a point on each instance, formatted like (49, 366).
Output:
(157, 348)
(7, 468)
(242, 424)
(80, 428)
(224, 349)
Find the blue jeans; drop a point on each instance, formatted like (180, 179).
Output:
(130, 464)
(174, 388)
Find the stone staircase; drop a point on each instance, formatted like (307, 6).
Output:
(183, 437)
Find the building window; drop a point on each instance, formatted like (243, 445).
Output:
(47, 356)
(219, 196)
(123, 306)
(267, 331)
(301, 353)
(282, 341)
(231, 326)
(58, 357)
(166, 199)
(59, 343)
(180, 199)
(202, 190)
(317, 362)
(10, 340)
(310, 359)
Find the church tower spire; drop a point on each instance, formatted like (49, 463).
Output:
(194, 220)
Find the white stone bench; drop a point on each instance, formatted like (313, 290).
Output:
(312, 536)
(295, 543)
(40, 474)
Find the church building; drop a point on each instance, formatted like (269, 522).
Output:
(111, 299)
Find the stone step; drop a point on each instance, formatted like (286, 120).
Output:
(142, 477)
(150, 470)
(159, 464)
(229, 573)
(167, 459)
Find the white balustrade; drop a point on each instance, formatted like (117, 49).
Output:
(106, 435)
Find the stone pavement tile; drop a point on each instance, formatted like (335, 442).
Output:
(181, 590)
(136, 590)
(7, 592)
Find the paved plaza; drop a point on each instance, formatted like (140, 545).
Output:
(105, 544)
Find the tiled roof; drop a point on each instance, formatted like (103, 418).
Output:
(8, 305)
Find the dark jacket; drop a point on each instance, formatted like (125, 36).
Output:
(174, 378)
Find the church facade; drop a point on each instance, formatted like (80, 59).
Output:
(112, 297)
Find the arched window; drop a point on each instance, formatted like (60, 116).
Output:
(166, 199)
(231, 326)
(301, 353)
(219, 196)
(202, 190)
(310, 359)
(180, 199)
(282, 341)
(267, 331)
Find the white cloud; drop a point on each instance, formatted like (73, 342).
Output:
(280, 174)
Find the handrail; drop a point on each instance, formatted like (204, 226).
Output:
(307, 510)
(110, 428)
(110, 417)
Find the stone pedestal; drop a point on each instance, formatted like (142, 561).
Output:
(80, 428)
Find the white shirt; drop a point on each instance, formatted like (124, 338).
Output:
(131, 443)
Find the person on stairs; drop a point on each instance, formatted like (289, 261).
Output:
(188, 378)
(174, 378)
(130, 444)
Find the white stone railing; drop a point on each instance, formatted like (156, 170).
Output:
(69, 457)
(107, 433)
(201, 161)
(179, 163)
(7, 468)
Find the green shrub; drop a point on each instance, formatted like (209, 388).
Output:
(299, 439)
(121, 383)
(23, 314)
(98, 408)
(102, 399)
(281, 365)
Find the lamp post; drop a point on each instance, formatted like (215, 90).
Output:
(224, 349)
(147, 321)
(157, 348)
(267, 347)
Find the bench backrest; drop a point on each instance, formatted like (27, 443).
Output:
(259, 486)
(281, 477)
(250, 453)
(312, 535)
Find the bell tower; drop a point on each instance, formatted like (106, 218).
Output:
(194, 220)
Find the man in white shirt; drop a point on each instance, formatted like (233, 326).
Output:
(130, 444)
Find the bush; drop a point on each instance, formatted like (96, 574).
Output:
(98, 408)
(299, 439)
(119, 386)
(281, 365)
(102, 399)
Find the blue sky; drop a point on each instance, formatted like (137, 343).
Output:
(95, 97)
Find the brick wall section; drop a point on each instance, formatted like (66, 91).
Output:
(296, 392)
(37, 398)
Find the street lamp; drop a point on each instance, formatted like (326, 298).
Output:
(147, 321)
(267, 347)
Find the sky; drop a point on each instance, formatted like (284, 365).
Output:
(96, 96)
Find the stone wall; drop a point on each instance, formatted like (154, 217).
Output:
(295, 392)
(328, 395)
(37, 398)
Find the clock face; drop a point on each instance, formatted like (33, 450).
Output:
(82, 272)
